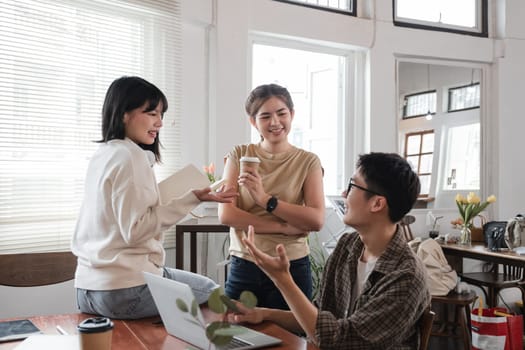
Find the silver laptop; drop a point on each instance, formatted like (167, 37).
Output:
(183, 325)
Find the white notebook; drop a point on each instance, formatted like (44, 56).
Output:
(182, 181)
(50, 341)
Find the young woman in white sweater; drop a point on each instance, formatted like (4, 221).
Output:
(119, 232)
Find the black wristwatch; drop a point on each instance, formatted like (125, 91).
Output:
(271, 204)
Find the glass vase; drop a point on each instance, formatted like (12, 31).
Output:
(465, 236)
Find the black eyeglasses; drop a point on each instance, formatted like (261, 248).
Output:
(351, 184)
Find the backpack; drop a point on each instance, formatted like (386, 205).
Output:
(442, 278)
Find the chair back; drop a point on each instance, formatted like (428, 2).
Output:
(405, 225)
(512, 271)
(425, 328)
(36, 269)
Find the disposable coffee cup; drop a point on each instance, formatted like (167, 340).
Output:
(249, 164)
(95, 333)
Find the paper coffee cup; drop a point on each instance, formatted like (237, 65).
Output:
(249, 164)
(95, 333)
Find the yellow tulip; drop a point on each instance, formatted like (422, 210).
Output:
(472, 198)
(491, 199)
(459, 198)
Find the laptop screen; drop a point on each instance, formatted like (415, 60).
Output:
(172, 298)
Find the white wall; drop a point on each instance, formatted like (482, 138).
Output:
(216, 82)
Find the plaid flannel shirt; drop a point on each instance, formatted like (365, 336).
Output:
(386, 314)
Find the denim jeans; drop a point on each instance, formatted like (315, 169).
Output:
(137, 302)
(245, 275)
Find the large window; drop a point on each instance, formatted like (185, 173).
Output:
(57, 60)
(462, 158)
(463, 16)
(419, 152)
(317, 83)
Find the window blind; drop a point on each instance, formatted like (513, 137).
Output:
(57, 60)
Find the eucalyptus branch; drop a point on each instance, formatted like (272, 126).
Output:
(221, 332)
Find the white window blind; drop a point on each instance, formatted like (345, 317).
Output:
(57, 59)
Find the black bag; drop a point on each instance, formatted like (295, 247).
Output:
(494, 233)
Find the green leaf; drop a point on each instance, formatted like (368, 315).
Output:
(461, 209)
(215, 303)
(229, 303)
(248, 299)
(181, 305)
(468, 210)
(212, 327)
(215, 338)
(482, 207)
(194, 308)
(220, 340)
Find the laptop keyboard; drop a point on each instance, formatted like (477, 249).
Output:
(235, 343)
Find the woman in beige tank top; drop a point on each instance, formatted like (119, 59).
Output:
(282, 198)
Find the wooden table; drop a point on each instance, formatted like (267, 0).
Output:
(456, 252)
(192, 226)
(148, 334)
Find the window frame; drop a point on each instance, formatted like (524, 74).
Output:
(480, 30)
(419, 155)
(352, 12)
(432, 109)
(449, 99)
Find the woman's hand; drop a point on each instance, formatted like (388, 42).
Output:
(252, 182)
(207, 195)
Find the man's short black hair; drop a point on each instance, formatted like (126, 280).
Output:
(391, 175)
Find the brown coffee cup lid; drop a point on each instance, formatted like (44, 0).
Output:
(95, 325)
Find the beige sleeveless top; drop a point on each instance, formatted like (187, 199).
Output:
(283, 176)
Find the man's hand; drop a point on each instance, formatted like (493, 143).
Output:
(277, 268)
(207, 195)
(245, 314)
(303, 314)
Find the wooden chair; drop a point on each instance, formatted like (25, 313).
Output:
(405, 225)
(36, 269)
(461, 321)
(425, 328)
(494, 281)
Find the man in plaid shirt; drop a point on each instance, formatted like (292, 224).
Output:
(374, 289)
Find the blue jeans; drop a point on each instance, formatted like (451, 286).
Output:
(245, 275)
(137, 302)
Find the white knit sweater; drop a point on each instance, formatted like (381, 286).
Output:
(119, 229)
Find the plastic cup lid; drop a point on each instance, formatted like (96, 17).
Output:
(250, 159)
(95, 325)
